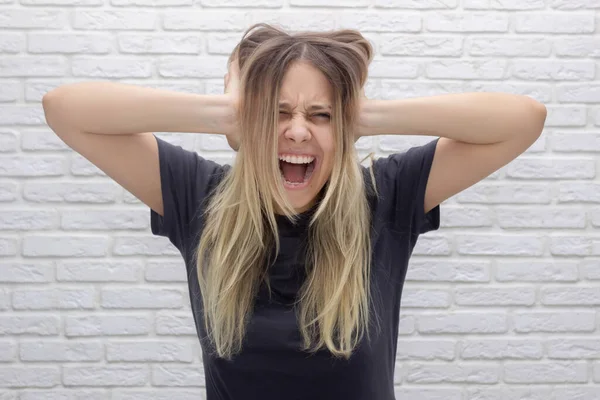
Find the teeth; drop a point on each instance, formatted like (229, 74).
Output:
(297, 159)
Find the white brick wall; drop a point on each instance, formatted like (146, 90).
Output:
(501, 303)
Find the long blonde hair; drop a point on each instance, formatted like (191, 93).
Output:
(233, 255)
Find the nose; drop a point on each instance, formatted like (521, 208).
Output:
(297, 130)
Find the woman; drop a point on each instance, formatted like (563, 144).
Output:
(296, 256)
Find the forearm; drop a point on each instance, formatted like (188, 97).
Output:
(117, 108)
(480, 118)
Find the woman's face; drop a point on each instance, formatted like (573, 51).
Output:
(305, 135)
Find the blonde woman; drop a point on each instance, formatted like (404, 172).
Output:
(296, 255)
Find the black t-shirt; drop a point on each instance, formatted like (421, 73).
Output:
(271, 366)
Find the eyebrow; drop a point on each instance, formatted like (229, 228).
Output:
(315, 106)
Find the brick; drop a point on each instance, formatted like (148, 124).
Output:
(578, 93)
(160, 43)
(192, 67)
(305, 3)
(49, 299)
(107, 67)
(125, 219)
(8, 191)
(256, 3)
(448, 373)
(432, 246)
(152, 351)
(554, 23)
(11, 90)
(8, 353)
(466, 69)
(570, 245)
(63, 394)
(498, 193)
(65, 246)
(8, 141)
(381, 21)
(509, 47)
(27, 165)
(491, 296)
(99, 271)
(561, 296)
(175, 324)
(17, 377)
(12, 42)
(463, 322)
(28, 219)
(8, 246)
(21, 115)
(575, 142)
(499, 244)
(426, 350)
(554, 321)
(553, 70)
(425, 298)
(500, 349)
(110, 375)
(574, 4)
(56, 351)
(559, 218)
(590, 269)
(573, 349)
(417, 4)
(205, 20)
(554, 372)
(155, 3)
(177, 376)
(504, 4)
(136, 298)
(166, 271)
(42, 325)
(27, 272)
(107, 325)
(566, 116)
(32, 66)
(143, 245)
(537, 271)
(577, 46)
(42, 140)
(69, 43)
(114, 20)
(466, 22)
(448, 271)
(528, 168)
(421, 45)
(71, 192)
(27, 18)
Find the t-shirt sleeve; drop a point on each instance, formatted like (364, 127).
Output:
(402, 182)
(186, 180)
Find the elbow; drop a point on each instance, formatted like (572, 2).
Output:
(52, 111)
(536, 114)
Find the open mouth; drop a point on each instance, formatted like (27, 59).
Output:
(296, 173)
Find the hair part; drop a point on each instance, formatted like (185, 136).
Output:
(240, 237)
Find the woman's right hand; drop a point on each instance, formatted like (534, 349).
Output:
(232, 88)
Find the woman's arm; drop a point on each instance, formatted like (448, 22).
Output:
(118, 108)
(480, 118)
(479, 134)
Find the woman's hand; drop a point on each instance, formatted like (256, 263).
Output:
(232, 88)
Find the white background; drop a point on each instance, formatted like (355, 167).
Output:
(500, 303)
